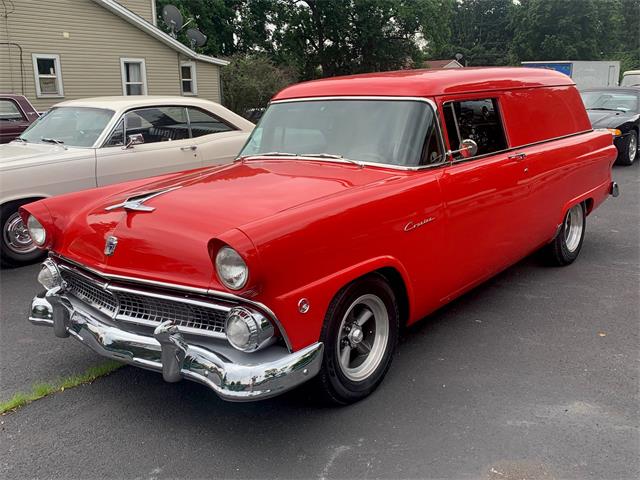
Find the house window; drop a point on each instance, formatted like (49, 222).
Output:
(48, 76)
(188, 78)
(134, 76)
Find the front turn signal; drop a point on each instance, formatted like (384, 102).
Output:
(615, 132)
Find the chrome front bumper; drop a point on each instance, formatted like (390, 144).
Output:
(233, 375)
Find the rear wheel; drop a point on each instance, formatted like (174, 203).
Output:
(360, 335)
(629, 151)
(565, 248)
(16, 246)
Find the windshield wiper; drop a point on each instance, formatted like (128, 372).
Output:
(267, 154)
(52, 140)
(274, 154)
(332, 156)
(607, 109)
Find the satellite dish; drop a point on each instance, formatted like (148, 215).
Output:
(172, 19)
(458, 56)
(196, 37)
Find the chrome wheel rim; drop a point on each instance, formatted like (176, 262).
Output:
(573, 225)
(362, 338)
(16, 236)
(633, 148)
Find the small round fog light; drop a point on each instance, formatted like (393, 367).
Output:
(247, 330)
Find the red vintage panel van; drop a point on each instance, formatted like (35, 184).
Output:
(359, 204)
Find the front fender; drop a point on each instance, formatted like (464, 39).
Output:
(304, 328)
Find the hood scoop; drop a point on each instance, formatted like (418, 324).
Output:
(136, 202)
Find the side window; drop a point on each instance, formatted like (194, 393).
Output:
(478, 120)
(205, 123)
(9, 111)
(117, 136)
(158, 124)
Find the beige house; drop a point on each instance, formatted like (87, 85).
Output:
(58, 50)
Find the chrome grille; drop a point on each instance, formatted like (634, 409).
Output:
(91, 293)
(124, 305)
(138, 308)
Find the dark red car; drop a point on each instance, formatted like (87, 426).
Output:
(16, 114)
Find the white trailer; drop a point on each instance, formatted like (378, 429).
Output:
(586, 74)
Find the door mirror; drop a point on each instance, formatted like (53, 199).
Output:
(468, 148)
(135, 139)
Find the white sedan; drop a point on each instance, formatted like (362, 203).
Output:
(93, 142)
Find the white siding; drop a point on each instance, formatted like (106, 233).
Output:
(90, 41)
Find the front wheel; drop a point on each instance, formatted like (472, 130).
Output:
(360, 335)
(16, 246)
(564, 249)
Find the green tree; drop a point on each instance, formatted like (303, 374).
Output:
(481, 31)
(558, 30)
(250, 81)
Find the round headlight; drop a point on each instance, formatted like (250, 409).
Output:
(231, 269)
(36, 231)
(247, 330)
(49, 276)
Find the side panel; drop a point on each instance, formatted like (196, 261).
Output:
(71, 171)
(117, 164)
(539, 114)
(562, 173)
(219, 148)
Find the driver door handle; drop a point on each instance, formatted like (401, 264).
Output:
(190, 147)
(518, 156)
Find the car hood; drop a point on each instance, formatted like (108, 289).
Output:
(171, 242)
(20, 154)
(608, 118)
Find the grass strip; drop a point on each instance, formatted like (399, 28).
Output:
(42, 390)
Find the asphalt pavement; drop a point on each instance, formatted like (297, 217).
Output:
(533, 375)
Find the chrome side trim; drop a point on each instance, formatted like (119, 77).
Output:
(511, 149)
(202, 291)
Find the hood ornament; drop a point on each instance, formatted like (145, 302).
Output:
(136, 202)
(110, 245)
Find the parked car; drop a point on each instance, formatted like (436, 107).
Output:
(358, 205)
(89, 143)
(616, 109)
(16, 114)
(630, 78)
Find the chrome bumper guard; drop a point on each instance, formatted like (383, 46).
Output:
(251, 377)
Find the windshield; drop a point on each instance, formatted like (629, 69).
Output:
(610, 100)
(630, 80)
(393, 132)
(71, 126)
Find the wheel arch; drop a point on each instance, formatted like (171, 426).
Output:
(23, 200)
(397, 283)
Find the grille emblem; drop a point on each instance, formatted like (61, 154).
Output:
(110, 245)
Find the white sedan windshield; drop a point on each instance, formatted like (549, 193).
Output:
(71, 126)
(393, 132)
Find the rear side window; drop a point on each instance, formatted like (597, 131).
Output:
(9, 111)
(205, 123)
(478, 120)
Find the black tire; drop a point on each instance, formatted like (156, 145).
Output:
(629, 151)
(566, 246)
(335, 387)
(9, 257)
